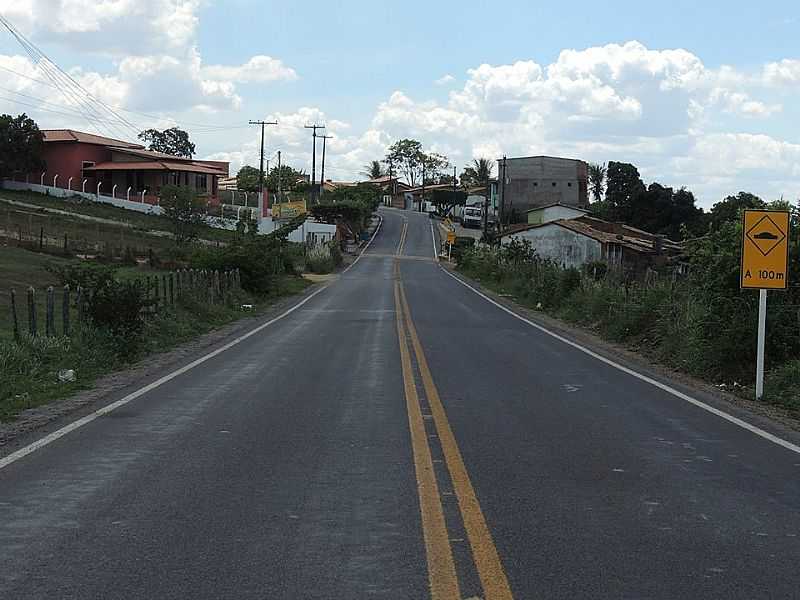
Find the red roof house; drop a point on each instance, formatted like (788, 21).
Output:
(80, 161)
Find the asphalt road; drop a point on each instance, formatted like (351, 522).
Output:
(398, 436)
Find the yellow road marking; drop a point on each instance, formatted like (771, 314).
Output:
(441, 568)
(403, 234)
(487, 560)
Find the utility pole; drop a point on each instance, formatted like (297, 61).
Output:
(325, 138)
(261, 162)
(391, 184)
(314, 128)
(279, 176)
(422, 197)
(503, 197)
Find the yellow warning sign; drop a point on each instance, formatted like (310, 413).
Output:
(765, 249)
(451, 237)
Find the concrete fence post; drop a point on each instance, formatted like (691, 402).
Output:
(128, 194)
(83, 186)
(55, 180)
(14, 320)
(99, 183)
(50, 317)
(142, 196)
(32, 312)
(41, 179)
(114, 191)
(69, 183)
(65, 311)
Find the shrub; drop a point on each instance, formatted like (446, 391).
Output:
(319, 259)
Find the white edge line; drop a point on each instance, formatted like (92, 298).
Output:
(369, 243)
(435, 249)
(59, 433)
(662, 386)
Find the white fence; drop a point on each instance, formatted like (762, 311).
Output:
(58, 192)
(309, 232)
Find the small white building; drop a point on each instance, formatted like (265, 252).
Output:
(554, 212)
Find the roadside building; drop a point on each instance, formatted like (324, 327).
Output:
(536, 181)
(392, 191)
(91, 163)
(583, 240)
(554, 212)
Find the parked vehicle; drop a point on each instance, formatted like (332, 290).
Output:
(473, 217)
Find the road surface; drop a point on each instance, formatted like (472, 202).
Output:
(399, 436)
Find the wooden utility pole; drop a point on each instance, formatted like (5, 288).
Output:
(279, 176)
(261, 162)
(314, 128)
(324, 138)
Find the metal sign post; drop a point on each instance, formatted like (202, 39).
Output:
(765, 266)
(762, 335)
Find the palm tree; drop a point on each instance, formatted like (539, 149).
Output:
(373, 169)
(597, 180)
(479, 172)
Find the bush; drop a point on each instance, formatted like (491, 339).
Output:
(319, 259)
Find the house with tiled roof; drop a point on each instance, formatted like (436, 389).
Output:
(85, 162)
(576, 242)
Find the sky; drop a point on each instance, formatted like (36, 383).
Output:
(702, 95)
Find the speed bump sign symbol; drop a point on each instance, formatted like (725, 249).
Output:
(765, 250)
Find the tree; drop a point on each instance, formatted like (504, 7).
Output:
(623, 185)
(407, 158)
(597, 180)
(247, 179)
(478, 173)
(373, 170)
(185, 211)
(172, 141)
(730, 209)
(291, 179)
(21, 146)
(435, 166)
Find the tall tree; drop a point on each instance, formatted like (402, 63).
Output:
(477, 173)
(730, 208)
(623, 185)
(435, 166)
(291, 179)
(184, 209)
(21, 146)
(597, 180)
(373, 170)
(405, 157)
(247, 179)
(172, 141)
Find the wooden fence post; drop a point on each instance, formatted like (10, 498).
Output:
(41, 238)
(66, 244)
(65, 311)
(15, 322)
(79, 304)
(32, 312)
(164, 288)
(171, 288)
(157, 293)
(50, 307)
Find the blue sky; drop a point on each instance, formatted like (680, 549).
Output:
(701, 94)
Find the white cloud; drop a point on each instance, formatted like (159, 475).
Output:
(258, 69)
(785, 72)
(108, 26)
(445, 79)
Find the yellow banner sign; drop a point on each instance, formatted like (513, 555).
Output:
(289, 210)
(451, 237)
(765, 250)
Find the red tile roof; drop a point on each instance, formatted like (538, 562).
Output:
(69, 135)
(155, 165)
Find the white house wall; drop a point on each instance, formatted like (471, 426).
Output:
(554, 213)
(561, 245)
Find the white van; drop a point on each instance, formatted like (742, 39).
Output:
(473, 217)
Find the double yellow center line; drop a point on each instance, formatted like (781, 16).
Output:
(442, 575)
(402, 243)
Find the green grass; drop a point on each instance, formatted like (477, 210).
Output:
(139, 221)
